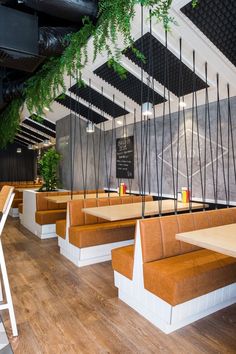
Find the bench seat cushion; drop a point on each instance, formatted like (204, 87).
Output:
(16, 202)
(61, 228)
(46, 217)
(20, 208)
(99, 234)
(123, 260)
(184, 277)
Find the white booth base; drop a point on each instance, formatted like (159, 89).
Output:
(28, 217)
(89, 255)
(14, 212)
(166, 317)
(170, 318)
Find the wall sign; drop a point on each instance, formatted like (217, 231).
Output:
(125, 157)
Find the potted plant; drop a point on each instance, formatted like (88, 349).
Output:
(48, 169)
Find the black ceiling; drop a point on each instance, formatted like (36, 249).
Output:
(98, 100)
(217, 20)
(130, 86)
(81, 109)
(155, 50)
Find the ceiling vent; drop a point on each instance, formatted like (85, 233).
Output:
(18, 40)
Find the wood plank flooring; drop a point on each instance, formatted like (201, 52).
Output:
(63, 309)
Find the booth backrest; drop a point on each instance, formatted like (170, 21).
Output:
(43, 204)
(5, 195)
(79, 218)
(158, 234)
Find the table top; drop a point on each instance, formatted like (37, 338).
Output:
(221, 239)
(134, 210)
(27, 188)
(59, 199)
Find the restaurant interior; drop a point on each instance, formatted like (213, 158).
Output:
(117, 176)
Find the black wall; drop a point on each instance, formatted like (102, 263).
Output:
(17, 167)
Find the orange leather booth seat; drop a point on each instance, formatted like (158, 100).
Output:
(86, 230)
(61, 228)
(99, 234)
(176, 271)
(48, 212)
(20, 208)
(123, 260)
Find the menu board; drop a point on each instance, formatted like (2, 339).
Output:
(125, 157)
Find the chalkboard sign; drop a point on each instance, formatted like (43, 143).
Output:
(125, 157)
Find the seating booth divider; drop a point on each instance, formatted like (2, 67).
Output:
(18, 199)
(86, 239)
(39, 215)
(172, 283)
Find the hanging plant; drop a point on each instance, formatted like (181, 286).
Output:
(10, 121)
(114, 22)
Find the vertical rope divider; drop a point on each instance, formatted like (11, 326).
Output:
(221, 141)
(80, 141)
(217, 143)
(192, 129)
(209, 128)
(141, 99)
(205, 147)
(136, 149)
(178, 125)
(170, 128)
(231, 132)
(112, 138)
(198, 135)
(163, 130)
(99, 149)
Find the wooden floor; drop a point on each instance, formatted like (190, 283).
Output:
(63, 309)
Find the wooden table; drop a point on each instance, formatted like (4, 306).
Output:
(27, 188)
(221, 239)
(134, 211)
(59, 199)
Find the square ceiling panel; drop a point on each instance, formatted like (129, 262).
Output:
(217, 20)
(79, 108)
(98, 100)
(130, 86)
(152, 48)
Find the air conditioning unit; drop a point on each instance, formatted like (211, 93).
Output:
(19, 40)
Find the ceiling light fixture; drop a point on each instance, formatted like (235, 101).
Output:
(18, 150)
(46, 142)
(47, 109)
(119, 122)
(90, 127)
(30, 147)
(147, 109)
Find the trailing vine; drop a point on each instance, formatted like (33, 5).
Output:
(9, 122)
(114, 22)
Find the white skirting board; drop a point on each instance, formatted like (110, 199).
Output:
(90, 255)
(14, 212)
(161, 314)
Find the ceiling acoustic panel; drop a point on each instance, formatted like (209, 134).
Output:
(161, 59)
(33, 125)
(130, 86)
(217, 20)
(81, 109)
(98, 100)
